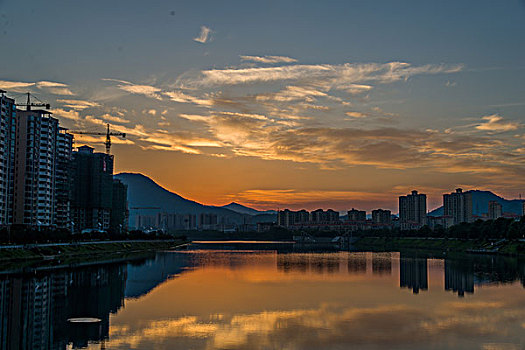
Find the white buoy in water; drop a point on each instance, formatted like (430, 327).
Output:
(84, 320)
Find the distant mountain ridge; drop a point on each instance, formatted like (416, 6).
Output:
(146, 197)
(242, 209)
(480, 204)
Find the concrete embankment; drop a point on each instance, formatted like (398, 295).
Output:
(502, 246)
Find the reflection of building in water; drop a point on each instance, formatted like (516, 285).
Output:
(413, 274)
(34, 309)
(319, 263)
(357, 263)
(145, 276)
(459, 276)
(26, 313)
(382, 263)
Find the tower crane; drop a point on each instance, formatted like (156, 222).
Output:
(108, 134)
(30, 104)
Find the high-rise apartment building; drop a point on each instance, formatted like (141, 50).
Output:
(495, 210)
(63, 180)
(332, 215)
(7, 157)
(318, 216)
(302, 216)
(458, 205)
(35, 168)
(285, 218)
(413, 208)
(92, 190)
(321, 216)
(355, 215)
(381, 216)
(119, 208)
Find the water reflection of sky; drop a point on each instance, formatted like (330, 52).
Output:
(269, 300)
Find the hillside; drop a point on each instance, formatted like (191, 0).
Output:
(145, 197)
(480, 204)
(241, 209)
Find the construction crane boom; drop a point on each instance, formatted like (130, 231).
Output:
(108, 134)
(30, 104)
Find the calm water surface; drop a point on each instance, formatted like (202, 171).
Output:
(213, 297)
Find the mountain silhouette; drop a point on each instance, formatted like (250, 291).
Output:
(242, 209)
(480, 204)
(146, 197)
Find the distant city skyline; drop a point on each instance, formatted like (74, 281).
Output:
(301, 105)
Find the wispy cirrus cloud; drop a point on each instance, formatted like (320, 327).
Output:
(181, 97)
(14, 85)
(269, 59)
(293, 93)
(138, 89)
(78, 104)
(145, 90)
(68, 114)
(355, 89)
(51, 87)
(356, 114)
(338, 76)
(204, 36)
(495, 123)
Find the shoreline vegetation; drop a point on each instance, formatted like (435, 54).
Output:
(501, 236)
(441, 245)
(20, 257)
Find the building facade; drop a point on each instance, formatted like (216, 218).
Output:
(92, 191)
(458, 205)
(495, 210)
(35, 168)
(413, 208)
(63, 217)
(207, 221)
(7, 157)
(119, 209)
(169, 222)
(381, 216)
(355, 215)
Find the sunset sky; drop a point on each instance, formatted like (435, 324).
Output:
(300, 104)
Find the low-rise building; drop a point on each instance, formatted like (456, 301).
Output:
(444, 222)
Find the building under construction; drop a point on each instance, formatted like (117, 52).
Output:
(98, 201)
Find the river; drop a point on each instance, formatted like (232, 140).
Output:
(268, 296)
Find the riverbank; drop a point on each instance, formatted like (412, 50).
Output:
(502, 247)
(28, 254)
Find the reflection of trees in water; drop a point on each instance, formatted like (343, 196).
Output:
(498, 269)
(34, 308)
(357, 263)
(463, 273)
(382, 263)
(413, 273)
(231, 259)
(309, 262)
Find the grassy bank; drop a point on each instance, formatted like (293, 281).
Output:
(504, 247)
(88, 250)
